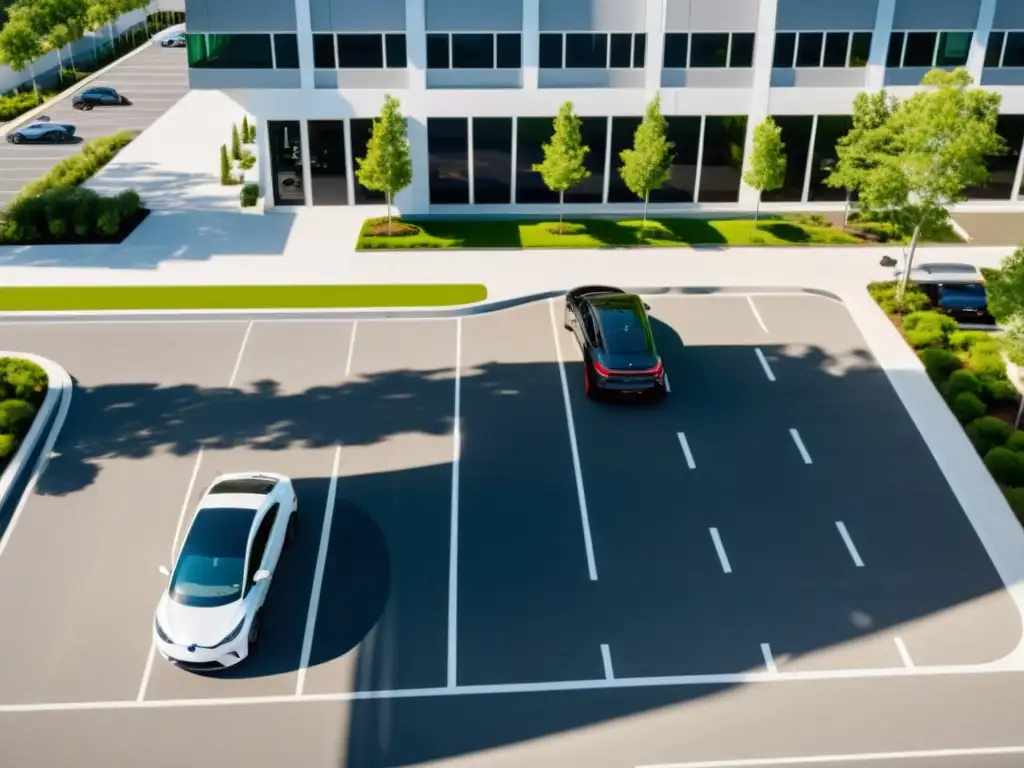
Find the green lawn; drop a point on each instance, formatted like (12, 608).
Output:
(57, 299)
(601, 233)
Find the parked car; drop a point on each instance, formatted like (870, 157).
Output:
(614, 333)
(98, 96)
(173, 40)
(209, 617)
(41, 129)
(957, 290)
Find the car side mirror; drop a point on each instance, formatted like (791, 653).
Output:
(261, 575)
(163, 570)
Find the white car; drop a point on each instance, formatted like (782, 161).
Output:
(209, 617)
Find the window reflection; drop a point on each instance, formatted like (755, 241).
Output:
(327, 166)
(284, 138)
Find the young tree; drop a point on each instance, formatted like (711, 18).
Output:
(245, 129)
(102, 13)
(1005, 289)
(767, 171)
(387, 166)
(20, 46)
(225, 165)
(648, 164)
(236, 143)
(563, 166)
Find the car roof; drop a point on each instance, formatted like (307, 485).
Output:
(945, 272)
(253, 501)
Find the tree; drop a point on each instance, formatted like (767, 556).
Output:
(1005, 288)
(563, 166)
(857, 148)
(20, 46)
(102, 13)
(236, 143)
(387, 166)
(245, 129)
(648, 164)
(767, 170)
(225, 165)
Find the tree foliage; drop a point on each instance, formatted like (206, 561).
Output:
(563, 166)
(648, 164)
(387, 166)
(767, 169)
(20, 46)
(1005, 288)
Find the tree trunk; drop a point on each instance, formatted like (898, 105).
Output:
(110, 35)
(389, 212)
(905, 277)
(95, 53)
(561, 198)
(647, 198)
(757, 209)
(71, 57)
(60, 66)
(846, 208)
(35, 87)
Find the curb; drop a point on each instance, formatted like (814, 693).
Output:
(58, 398)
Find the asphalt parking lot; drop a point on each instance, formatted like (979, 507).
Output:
(777, 512)
(154, 79)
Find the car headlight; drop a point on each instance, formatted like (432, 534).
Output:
(160, 632)
(232, 635)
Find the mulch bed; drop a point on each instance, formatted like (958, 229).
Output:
(129, 226)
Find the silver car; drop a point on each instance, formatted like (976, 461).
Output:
(42, 130)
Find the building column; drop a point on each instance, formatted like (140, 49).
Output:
(764, 51)
(880, 44)
(415, 199)
(304, 37)
(979, 41)
(655, 29)
(263, 162)
(307, 169)
(531, 44)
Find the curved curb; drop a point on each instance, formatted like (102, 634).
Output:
(58, 397)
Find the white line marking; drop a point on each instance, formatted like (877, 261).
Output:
(668, 387)
(606, 657)
(769, 660)
(318, 574)
(351, 349)
(241, 351)
(856, 757)
(757, 315)
(800, 446)
(722, 557)
(453, 540)
(686, 450)
(904, 653)
(148, 669)
(849, 544)
(764, 364)
(580, 492)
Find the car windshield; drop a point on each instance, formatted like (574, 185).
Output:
(211, 568)
(623, 331)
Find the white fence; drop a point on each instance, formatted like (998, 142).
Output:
(9, 79)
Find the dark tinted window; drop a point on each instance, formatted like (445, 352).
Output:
(285, 143)
(1014, 53)
(742, 52)
(785, 50)
(394, 48)
(796, 134)
(1002, 168)
(836, 48)
(510, 51)
(860, 49)
(895, 55)
(323, 52)
(589, 51)
(448, 164)
(437, 52)
(954, 48)
(831, 128)
(211, 568)
(286, 51)
(361, 129)
(531, 133)
(994, 51)
(622, 330)
(722, 158)
(623, 133)
(594, 131)
(550, 51)
(237, 52)
(962, 290)
(808, 49)
(684, 133)
(245, 485)
(640, 50)
(676, 45)
(920, 49)
(360, 51)
(709, 50)
(492, 159)
(621, 51)
(327, 167)
(473, 51)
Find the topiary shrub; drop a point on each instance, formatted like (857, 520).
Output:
(1015, 442)
(236, 144)
(249, 194)
(997, 389)
(884, 294)
(928, 319)
(7, 444)
(22, 380)
(940, 364)
(15, 415)
(225, 165)
(247, 160)
(1015, 498)
(986, 360)
(988, 432)
(967, 407)
(1006, 466)
(959, 382)
(964, 340)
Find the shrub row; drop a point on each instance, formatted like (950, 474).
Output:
(884, 294)
(17, 103)
(65, 213)
(22, 389)
(72, 171)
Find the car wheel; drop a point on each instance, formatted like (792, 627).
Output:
(254, 631)
(16, 138)
(289, 532)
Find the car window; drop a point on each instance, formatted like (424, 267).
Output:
(963, 289)
(210, 568)
(259, 545)
(623, 331)
(586, 313)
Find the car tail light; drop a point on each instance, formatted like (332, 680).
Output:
(601, 369)
(604, 371)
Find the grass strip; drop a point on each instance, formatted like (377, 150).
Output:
(98, 298)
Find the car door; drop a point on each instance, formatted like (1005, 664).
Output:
(255, 593)
(588, 328)
(108, 98)
(276, 543)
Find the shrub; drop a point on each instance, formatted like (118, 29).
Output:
(225, 165)
(249, 194)
(998, 389)
(7, 444)
(74, 170)
(988, 432)
(967, 407)
(24, 219)
(236, 143)
(59, 212)
(83, 220)
(1015, 442)
(940, 364)
(245, 129)
(247, 160)
(115, 211)
(16, 415)
(959, 382)
(1006, 466)
(928, 336)
(18, 103)
(1015, 498)
(884, 294)
(22, 380)
(964, 340)
(986, 361)
(921, 320)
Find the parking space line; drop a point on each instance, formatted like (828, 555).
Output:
(668, 387)
(854, 757)
(757, 315)
(720, 549)
(351, 349)
(769, 660)
(606, 657)
(800, 446)
(453, 541)
(580, 492)
(849, 544)
(241, 351)
(904, 653)
(764, 364)
(318, 575)
(686, 450)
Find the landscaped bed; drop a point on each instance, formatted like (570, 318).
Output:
(23, 386)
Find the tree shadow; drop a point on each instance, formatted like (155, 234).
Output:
(790, 233)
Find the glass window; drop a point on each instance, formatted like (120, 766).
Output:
(364, 51)
(492, 159)
(623, 331)
(394, 51)
(676, 45)
(327, 168)
(796, 135)
(709, 50)
(808, 49)
(894, 57)
(1002, 168)
(920, 49)
(361, 129)
(448, 151)
(785, 50)
(473, 51)
(323, 52)
(622, 51)
(640, 50)
(285, 142)
(831, 128)
(1014, 53)
(586, 51)
(510, 51)
(550, 51)
(681, 187)
(237, 52)
(742, 51)
(595, 135)
(195, 49)
(860, 49)
(531, 134)
(722, 162)
(210, 571)
(286, 51)
(836, 48)
(437, 51)
(623, 131)
(994, 51)
(954, 48)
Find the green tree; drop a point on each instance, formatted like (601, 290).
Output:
(648, 164)
(767, 169)
(245, 129)
(387, 166)
(20, 46)
(236, 143)
(861, 143)
(102, 13)
(1005, 288)
(225, 165)
(563, 166)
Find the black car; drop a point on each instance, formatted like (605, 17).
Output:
(614, 333)
(98, 96)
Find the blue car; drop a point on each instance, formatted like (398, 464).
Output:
(42, 130)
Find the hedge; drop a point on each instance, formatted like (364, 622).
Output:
(72, 171)
(884, 294)
(63, 214)
(23, 386)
